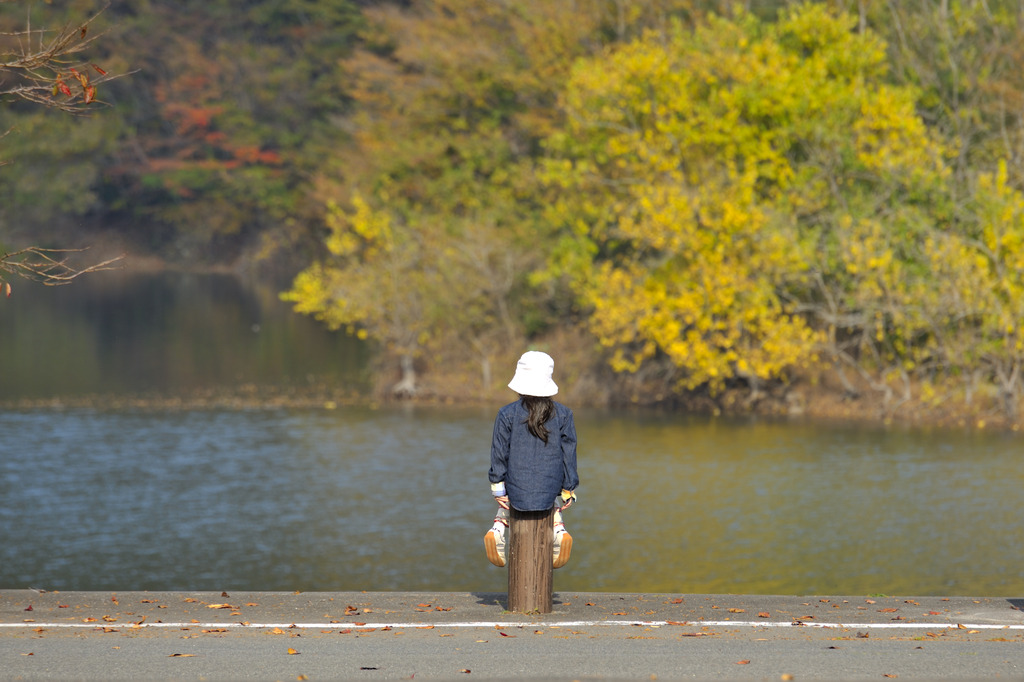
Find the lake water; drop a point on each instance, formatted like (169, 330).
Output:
(396, 498)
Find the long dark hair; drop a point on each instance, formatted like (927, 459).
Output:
(539, 411)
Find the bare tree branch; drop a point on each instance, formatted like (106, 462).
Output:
(46, 266)
(44, 66)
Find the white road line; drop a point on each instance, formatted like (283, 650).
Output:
(517, 624)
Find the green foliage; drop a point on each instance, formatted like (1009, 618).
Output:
(219, 132)
(49, 169)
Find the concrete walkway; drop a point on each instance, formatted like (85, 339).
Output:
(402, 635)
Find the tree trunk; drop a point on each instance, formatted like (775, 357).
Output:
(406, 387)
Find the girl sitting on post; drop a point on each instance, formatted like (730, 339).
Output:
(533, 456)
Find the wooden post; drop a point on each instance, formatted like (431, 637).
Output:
(530, 561)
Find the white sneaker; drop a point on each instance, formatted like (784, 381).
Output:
(563, 546)
(494, 543)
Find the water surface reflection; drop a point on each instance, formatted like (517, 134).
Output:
(166, 334)
(396, 499)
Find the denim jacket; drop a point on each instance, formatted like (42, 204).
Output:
(534, 473)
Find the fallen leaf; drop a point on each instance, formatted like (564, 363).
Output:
(764, 614)
(465, 670)
(737, 610)
(29, 608)
(747, 662)
(181, 656)
(292, 652)
(276, 631)
(888, 610)
(220, 606)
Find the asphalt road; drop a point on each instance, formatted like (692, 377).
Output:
(463, 636)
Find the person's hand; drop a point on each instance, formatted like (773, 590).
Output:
(502, 501)
(567, 497)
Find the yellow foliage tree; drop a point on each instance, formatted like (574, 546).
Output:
(977, 291)
(451, 100)
(376, 285)
(706, 179)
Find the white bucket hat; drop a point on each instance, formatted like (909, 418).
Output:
(533, 375)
